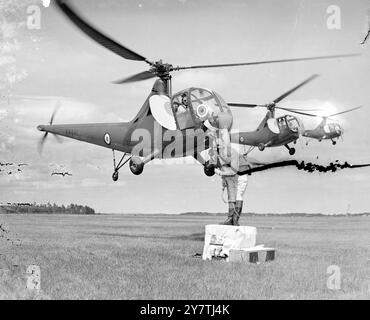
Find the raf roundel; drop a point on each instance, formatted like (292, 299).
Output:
(107, 138)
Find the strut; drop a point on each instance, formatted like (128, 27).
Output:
(121, 163)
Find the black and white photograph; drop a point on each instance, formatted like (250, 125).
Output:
(184, 150)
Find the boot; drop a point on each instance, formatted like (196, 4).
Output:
(237, 213)
(228, 221)
(230, 215)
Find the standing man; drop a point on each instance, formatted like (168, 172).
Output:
(234, 183)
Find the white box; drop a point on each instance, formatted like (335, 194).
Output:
(256, 254)
(219, 239)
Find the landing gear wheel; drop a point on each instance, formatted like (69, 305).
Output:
(209, 169)
(334, 143)
(115, 176)
(291, 151)
(136, 166)
(261, 147)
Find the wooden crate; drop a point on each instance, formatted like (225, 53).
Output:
(254, 255)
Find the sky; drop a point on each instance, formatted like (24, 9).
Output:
(40, 67)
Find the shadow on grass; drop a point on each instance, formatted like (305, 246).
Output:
(190, 237)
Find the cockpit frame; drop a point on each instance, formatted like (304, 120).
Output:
(202, 103)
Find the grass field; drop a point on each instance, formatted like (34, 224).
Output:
(150, 257)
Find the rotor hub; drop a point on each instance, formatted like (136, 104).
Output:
(162, 70)
(271, 106)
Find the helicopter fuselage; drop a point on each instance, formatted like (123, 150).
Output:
(270, 133)
(159, 130)
(324, 131)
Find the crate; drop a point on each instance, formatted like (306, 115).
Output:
(256, 254)
(219, 239)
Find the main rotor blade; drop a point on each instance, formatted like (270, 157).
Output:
(316, 115)
(265, 62)
(294, 109)
(349, 110)
(299, 112)
(137, 77)
(243, 105)
(261, 105)
(98, 36)
(295, 88)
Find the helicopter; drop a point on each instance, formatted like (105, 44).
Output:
(160, 129)
(325, 130)
(273, 132)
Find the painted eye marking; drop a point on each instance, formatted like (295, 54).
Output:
(107, 138)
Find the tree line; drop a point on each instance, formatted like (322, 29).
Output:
(45, 208)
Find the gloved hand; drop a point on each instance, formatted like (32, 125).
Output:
(218, 172)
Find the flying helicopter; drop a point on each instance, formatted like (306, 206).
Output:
(160, 129)
(273, 132)
(326, 130)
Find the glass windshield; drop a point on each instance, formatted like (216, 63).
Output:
(327, 128)
(334, 127)
(182, 110)
(202, 96)
(292, 123)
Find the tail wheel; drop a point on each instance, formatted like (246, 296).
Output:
(115, 176)
(291, 151)
(261, 147)
(334, 143)
(136, 166)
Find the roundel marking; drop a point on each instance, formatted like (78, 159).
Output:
(107, 138)
(202, 111)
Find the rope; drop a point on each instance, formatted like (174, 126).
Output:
(222, 195)
(227, 202)
(235, 211)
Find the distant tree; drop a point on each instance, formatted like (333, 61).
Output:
(46, 208)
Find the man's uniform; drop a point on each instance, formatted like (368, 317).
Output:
(234, 183)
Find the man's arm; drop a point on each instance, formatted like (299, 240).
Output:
(226, 171)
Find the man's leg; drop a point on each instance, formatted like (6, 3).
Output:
(230, 215)
(241, 186)
(231, 196)
(238, 212)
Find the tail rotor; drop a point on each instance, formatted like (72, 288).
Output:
(42, 141)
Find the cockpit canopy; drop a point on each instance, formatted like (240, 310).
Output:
(333, 127)
(289, 122)
(293, 123)
(195, 106)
